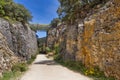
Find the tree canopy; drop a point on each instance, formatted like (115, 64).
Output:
(14, 11)
(70, 10)
(55, 22)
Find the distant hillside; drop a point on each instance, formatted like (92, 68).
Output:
(36, 27)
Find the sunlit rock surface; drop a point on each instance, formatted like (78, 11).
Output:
(95, 41)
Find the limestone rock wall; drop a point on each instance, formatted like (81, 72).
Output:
(17, 41)
(94, 41)
(21, 39)
(7, 57)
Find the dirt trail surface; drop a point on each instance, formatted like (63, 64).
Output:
(46, 69)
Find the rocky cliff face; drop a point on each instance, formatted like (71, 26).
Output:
(94, 41)
(16, 40)
(7, 57)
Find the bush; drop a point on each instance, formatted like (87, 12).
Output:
(19, 12)
(7, 18)
(48, 49)
(56, 49)
(32, 59)
(58, 58)
(19, 67)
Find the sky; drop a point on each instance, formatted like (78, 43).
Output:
(41, 34)
(43, 11)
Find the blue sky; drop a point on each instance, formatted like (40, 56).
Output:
(43, 11)
(41, 34)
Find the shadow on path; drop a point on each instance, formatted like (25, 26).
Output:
(47, 62)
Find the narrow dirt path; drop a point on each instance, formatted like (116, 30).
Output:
(46, 69)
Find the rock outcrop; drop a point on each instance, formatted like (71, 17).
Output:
(95, 41)
(16, 41)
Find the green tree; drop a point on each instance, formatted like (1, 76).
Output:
(14, 11)
(21, 13)
(2, 3)
(71, 10)
(55, 22)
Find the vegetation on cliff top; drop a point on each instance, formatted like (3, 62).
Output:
(70, 11)
(13, 11)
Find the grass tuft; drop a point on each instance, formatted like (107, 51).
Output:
(16, 71)
(31, 60)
